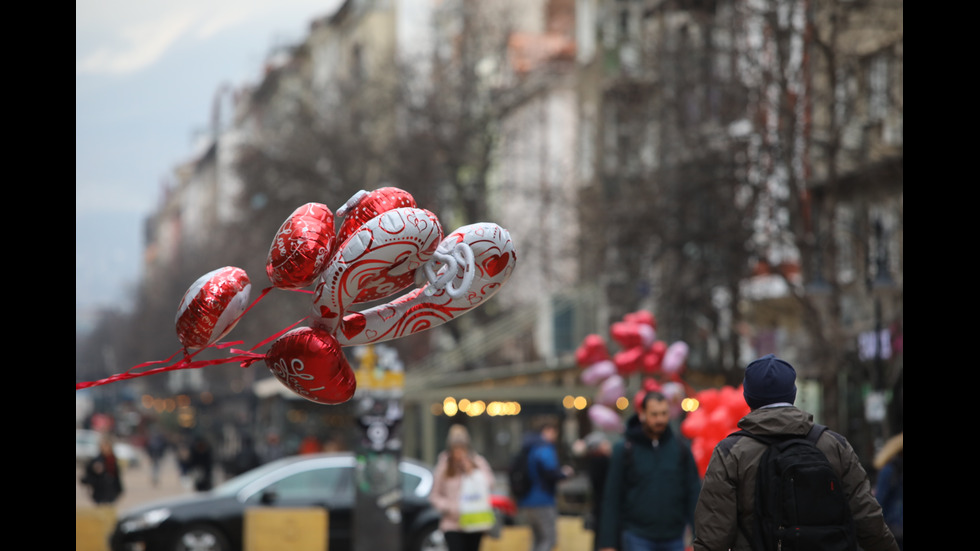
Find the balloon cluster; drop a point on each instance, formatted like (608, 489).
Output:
(640, 352)
(385, 245)
(715, 418)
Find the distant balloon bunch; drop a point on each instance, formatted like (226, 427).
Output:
(640, 352)
(715, 418)
(384, 245)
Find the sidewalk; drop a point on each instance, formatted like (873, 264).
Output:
(138, 487)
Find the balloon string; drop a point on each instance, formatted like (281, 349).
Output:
(246, 358)
(184, 363)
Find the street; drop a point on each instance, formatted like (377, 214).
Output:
(139, 489)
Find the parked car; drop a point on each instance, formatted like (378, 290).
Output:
(214, 520)
(87, 447)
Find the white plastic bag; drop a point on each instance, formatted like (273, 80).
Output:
(475, 511)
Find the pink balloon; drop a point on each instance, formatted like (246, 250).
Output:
(674, 357)
(675, 393)
(611, 390)
(598, 372)
(647, 335)
(605, 418)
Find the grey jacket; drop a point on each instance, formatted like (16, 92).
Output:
(728, 493)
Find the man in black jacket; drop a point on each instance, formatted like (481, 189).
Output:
(652, 485)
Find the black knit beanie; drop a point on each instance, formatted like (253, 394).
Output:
(769, 380)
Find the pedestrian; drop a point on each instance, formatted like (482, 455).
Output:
(246, 459)
(890, 487)
(274, 448)
(156, 446)
(200, 464)
(103, 475)
(309, 444)
(598, 450)
(463, 481)
(652, 485)
(539, 506)
(725, 515)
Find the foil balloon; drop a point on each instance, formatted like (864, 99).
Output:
(367, 205)
(375, 262)
(675, 394)
(641, 317)
(674, 357)
(593, 349)
(598, 372)
(605, 418)
(629, 361)
(212, 306)
(309, 362)
(629, 334)
(610, 390)
(468, 268)
(301, 248)
(653, 357)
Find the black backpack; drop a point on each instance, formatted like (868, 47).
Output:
(519, 472)
(800, 503)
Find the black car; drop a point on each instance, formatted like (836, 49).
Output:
(214, 520)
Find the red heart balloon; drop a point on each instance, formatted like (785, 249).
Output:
(309, 362)
(301, 248)
(593, 349)
(365, 206)
(211, 307)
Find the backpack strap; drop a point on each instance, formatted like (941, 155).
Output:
(815, 431)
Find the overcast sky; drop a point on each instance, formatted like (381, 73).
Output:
(146, 74)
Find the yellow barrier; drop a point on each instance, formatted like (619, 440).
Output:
(93, 526)
(511, 538)
(572, 535)
(300, 529)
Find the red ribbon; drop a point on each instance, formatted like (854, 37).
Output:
(245, 357)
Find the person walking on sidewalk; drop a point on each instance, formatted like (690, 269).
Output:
(652, 485)
(890, 487)
(102, 474)
(457, 467)
(725, 515)
(539, 507)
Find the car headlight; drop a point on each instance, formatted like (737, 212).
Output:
(145, 521)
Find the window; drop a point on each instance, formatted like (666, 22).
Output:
(317, 482)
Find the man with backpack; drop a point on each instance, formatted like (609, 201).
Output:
(652, 484)
(783, 482)
(537, 503)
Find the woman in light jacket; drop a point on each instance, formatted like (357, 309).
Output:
(456, 462)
